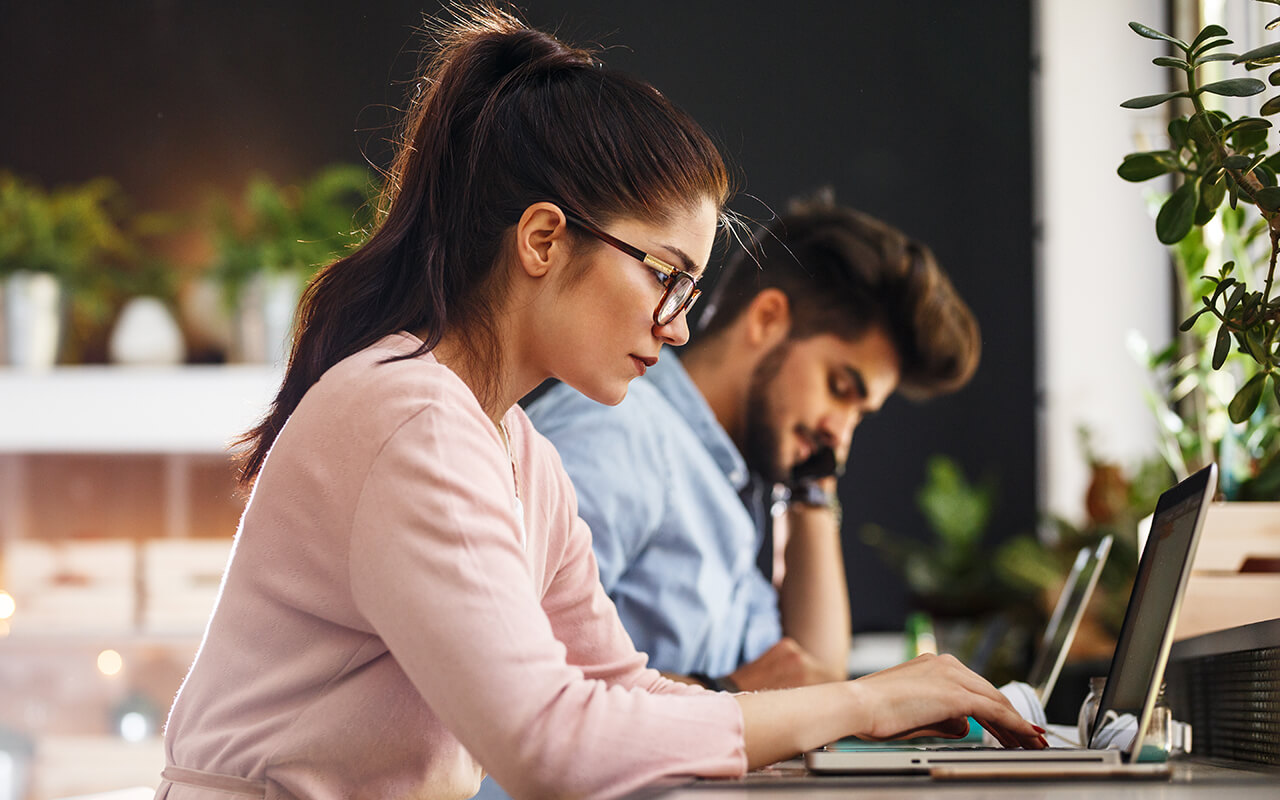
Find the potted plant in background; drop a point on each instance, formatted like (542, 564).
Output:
(270, 246)
(980, 599)
(54, 247)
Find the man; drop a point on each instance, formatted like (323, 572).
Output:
(813, 325)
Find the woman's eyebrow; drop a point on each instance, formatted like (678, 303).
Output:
(686, 263)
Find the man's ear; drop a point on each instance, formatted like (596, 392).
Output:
(768, 318)
(541, 238)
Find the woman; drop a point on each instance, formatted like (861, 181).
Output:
(412, 598)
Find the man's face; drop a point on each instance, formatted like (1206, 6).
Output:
(809, 394)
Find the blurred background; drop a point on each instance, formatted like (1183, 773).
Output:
(172, 173)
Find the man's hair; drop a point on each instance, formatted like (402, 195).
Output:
(844, 272)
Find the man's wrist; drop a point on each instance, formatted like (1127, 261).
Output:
(815, 496)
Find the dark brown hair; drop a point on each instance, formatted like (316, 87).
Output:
(844, 272)
(504, 116)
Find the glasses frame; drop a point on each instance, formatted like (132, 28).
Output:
(673, 274)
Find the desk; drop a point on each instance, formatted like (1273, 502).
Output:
(1190, 779)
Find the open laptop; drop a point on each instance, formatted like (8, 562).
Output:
(1133, 681)
(1067, 614)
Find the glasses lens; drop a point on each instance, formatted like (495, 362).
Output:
(677, 295)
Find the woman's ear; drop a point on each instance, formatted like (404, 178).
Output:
(768, 318)
(541, 238)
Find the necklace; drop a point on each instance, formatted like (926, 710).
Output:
(506, 440)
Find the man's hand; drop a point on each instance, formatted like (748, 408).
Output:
(783, 666)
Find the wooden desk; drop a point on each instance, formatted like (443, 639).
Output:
(1190, 779)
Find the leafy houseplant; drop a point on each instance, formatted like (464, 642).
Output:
(291, 229)
(271, 245)
(1191, 399)
(983, 614)
(79, 235)
(1218, 158)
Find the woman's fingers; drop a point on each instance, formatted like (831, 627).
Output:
(933, 695)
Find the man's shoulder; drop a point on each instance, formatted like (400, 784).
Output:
(563, 409)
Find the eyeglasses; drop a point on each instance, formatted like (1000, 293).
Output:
(680, 288)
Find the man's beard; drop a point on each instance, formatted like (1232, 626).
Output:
(761, 443)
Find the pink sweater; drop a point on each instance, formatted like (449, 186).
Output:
(387, 630)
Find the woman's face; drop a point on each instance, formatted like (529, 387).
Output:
(603, 334)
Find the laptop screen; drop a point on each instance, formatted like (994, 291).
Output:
(1146, 634)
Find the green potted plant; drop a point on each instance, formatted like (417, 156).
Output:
(1216, 158)
(55, 247)
(269, 247)
(1222, 373)
(979, 597)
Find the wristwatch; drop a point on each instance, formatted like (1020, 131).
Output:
(724, 684)
(810, 493)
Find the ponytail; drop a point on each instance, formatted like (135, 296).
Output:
(504, 117)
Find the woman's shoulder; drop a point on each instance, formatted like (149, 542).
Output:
(382, 387)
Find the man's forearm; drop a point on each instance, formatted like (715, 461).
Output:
(813, 597)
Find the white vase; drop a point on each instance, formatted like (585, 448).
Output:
(146, 334)
(32, 318)
(264, 318)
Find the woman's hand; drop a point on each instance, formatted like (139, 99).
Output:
(933, 696)
(927, 696)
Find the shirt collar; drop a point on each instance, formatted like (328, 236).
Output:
(673, 381)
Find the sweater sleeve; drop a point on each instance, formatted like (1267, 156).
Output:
(438, 571)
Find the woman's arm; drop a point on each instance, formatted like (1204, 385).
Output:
(928, 696)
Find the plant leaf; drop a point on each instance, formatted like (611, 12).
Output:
(1191, 320)
(1274, 78)
(1234, 87)
(1177, 214)
(1271, 106)
(1152, 33)
(1222, 347)
(1215, 57)
(1209, 32)
(1149, 100)
(1215, 44)
(1248, 124)
(1269, 198)
(1211, 196)
(1234, 299)
(1246, 400)
(1175, 63)
(1258, 53)
(1141, 167)
(1237, 161)
(1178, 131)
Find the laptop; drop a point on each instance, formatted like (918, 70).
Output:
(1133, 681)
(1051, 654)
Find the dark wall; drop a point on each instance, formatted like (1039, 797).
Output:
(916, 112)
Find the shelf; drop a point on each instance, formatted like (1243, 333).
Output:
(112, 409)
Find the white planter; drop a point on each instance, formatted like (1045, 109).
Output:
(32, 317)
(146, 334)
(262, 332)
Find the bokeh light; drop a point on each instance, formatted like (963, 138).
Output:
(110, 662)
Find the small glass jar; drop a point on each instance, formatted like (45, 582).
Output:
(1157, 741)
(1089, 710)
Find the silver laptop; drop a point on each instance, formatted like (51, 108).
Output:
(1133, 681)
(1065, 620)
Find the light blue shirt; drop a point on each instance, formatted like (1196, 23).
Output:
(658, 482)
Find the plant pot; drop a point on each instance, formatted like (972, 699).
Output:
(32, 319)
(262, 330)
(146, 333)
